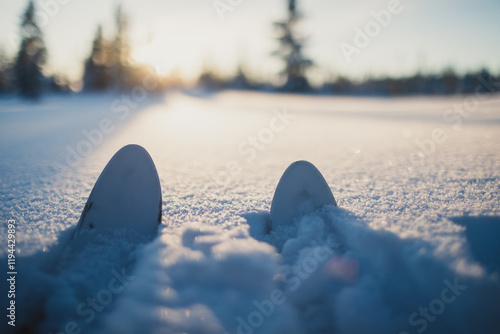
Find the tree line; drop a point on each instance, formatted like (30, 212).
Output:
(108, 67)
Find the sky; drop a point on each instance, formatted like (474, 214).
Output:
(343, 37)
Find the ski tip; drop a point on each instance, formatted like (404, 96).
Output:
(127, 194)
(301, 189)
(133, 149)
(302, 164)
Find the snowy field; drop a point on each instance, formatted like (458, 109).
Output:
(412, 247)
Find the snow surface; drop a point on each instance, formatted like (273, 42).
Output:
(408, 240)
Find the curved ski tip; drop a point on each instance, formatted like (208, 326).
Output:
(131, 148)
(302, 163)
(127, 194)
(301, 189)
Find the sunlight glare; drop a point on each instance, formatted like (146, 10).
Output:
(168, 52)
(155, 54)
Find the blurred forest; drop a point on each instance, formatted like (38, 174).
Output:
(108, 67)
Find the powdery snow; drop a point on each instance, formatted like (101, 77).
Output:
(406, 251)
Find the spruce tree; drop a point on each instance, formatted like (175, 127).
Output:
(121, 48)
(96, 75)
(31, 56)
(5, 69)
(290, 51)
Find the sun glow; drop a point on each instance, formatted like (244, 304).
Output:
(169, 52)
(156, 55)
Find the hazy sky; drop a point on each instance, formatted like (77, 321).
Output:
(183, 34)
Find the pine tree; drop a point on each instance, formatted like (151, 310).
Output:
(290, 51)
(31, 56)
(121, 48)
(209, 77)
(5, 70)
(96, 75)
(240, 81)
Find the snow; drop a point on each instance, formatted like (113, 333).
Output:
(406, 251)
